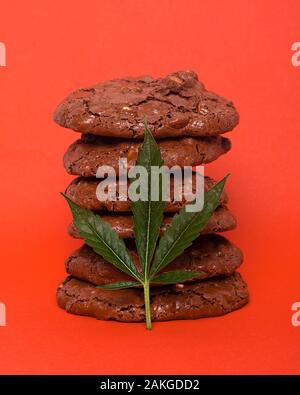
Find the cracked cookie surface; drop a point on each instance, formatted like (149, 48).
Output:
(222, 220)
(208, 298)
(210, 255)
(175, 105)
(86, 155)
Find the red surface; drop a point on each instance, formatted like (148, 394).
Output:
(241, 49)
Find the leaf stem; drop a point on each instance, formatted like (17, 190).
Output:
(147, 305)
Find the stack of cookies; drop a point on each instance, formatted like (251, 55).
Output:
(187, 122)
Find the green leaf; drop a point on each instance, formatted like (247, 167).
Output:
(120, 285)
(174, 277)
(148, 215)
(105, 241)
(185, 228)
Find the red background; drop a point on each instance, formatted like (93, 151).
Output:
(242, 50)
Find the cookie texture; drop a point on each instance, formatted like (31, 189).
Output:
(210, 255)
(175, 105)
(208, 298)
(83, 192)
(222, 220)
(85, 156)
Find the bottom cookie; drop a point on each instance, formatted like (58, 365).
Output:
(209, 298)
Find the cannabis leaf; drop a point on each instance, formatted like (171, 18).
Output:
(174, 277)
(104, 240)
(120, 285)
(147, 215)
(185, 228)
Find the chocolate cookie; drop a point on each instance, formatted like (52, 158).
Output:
(176, 105)
(211, 255)
(84, 156)
(83, 192)
(222, 220)
(209, 298)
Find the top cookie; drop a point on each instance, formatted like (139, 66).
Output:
(176, 105)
